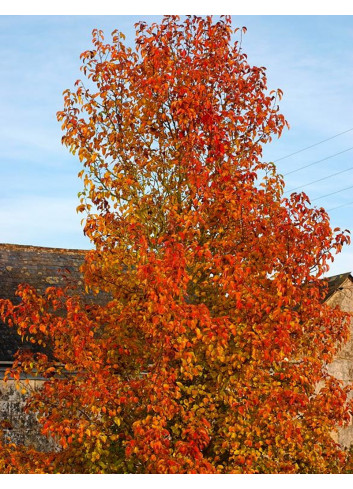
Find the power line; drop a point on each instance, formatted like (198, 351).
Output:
(332, 193)
(339, 206)
(319, 180)
(317, 161)
(316, 144)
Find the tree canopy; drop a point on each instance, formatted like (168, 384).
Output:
(210, 355)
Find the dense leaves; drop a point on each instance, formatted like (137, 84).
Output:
(210, 354)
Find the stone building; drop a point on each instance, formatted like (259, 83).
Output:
(43, 267)
(340, 294)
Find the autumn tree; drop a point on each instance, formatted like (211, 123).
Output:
(210, 355)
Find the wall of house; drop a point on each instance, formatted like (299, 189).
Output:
(342, 367)
(19, 427)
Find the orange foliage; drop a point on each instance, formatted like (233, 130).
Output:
(211, 355)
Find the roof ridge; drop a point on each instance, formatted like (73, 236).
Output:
(345, 274)
(13, 246)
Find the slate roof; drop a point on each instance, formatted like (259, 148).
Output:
(38, 266)
(335, 282)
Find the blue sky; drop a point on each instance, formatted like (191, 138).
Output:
(309, 57)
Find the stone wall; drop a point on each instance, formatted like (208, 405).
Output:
(342, 367)
(19, 427)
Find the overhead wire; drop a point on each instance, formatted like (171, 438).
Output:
(317, 161)
(319, 180)
(339, 206)
(312, 145)
(332, 193)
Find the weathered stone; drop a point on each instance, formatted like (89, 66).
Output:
(342, 366)
(18, 426)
